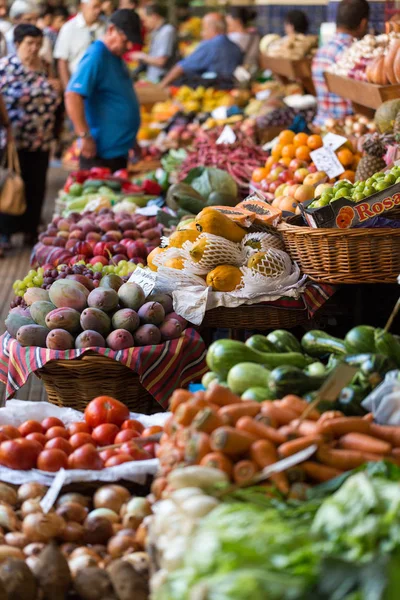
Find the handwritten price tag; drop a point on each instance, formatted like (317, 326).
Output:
(227, 136)
(326, 160)
(145, 278)
(333, 141)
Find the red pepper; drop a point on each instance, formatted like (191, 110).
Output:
(69, 182)
(100, 172)
(81, 176)
(122, 174)
(151, 187)
(131, 188)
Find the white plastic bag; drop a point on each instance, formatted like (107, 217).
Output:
(384, 400)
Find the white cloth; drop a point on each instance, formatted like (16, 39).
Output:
(5, 26)
(248, 42)
(75, 38)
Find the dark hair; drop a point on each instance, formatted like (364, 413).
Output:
(26, 30)
(241, 14)
(60, 11)
(155, 9)
(298, 19)
(46, 10)
(350, 13)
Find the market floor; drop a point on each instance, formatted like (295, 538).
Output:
(15, 266)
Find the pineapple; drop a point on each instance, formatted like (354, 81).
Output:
(372, 161)
(396, 127)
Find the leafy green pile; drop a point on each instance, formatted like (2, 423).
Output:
(173, 160)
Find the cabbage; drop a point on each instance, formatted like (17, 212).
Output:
(206, 180)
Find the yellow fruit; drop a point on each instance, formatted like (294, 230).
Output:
(174, 263)
(257, 263)
(197, 252)
(186, 224)
(213, 221)
(152, 256)
(179, 237)
(224, 278)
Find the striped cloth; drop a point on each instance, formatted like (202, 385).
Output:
(161, 369)
(311, 300)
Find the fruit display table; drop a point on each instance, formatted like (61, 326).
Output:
(291, 70)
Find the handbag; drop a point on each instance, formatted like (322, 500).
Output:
(12, 188)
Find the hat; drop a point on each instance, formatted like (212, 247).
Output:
(21, 7)
(129, 23)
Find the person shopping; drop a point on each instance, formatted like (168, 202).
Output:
(100, 99)
(31, 100)
(247, 39)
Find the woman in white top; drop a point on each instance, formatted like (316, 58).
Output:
(246, 38)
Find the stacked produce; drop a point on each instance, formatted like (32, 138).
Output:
(106, 438)
(292, 47)
(92, 547)
(352, 126)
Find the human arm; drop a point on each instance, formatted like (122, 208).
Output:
(5, 121)
(63, 72)
(75, 107)
(174, 73)
(61, 54)
(154, 61)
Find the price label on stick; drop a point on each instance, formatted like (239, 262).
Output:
(227, 136)
(326, 160)
(52, 493)
(333, 141)
(145, 278)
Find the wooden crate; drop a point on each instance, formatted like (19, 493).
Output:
(150, 93)
(291, 70)
(361, 93)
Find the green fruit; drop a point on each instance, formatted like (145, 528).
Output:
(357, 197)
(389, 178)
(321, 202)
(359, 187)
(342, 193)
(368, 191)
(382, 185)
(377, 176)
(75, 189)
(341, 184)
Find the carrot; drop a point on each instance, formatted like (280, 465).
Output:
(281, 415)
(320, 473)
(286, 414)
(342, 425)
(266, 420)
(220, 395)
(244, 471)
(233, 412)
(299, 405)
(369, 417)
(207, 420)
(306, 427)
(364, 443)
(288, 432)
(185, 413)
(196, 447)
(230, 440)
(389, 433)
(181, 437)
(344, 460)
(330, 414)
(179, 397)
(217, 460)
(260, 431)
(263, 453)
(289, 448)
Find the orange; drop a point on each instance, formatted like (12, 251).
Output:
(303, 153)
(286, 137)
(269, 162)
(356, 160)
(276, 151)
(285, 161)
(300, 139)
(314, 142)
(288, 151)
(348, 174)
(345, 157)
(288, 204)
(259, 174)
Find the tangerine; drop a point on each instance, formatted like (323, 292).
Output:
(314, 142)
(269, 162)
(356, 160)
(300, 139)
(285, 161)
(303, 153)
(286, 137)
(348, 174)
(288, 151)
(276, 151)
(259, 174)
(345, 157)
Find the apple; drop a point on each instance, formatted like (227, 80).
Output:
(99, 259)
(264, 185)
(117, 258)
(136, 249)
(273, 186)
(312, 168)
(301, 174)
(291, 190)
(93, 236)
(321, 187)
(78, 258)
(295, 164)
(83, 248)
(285, 176)
(315, 178)
(280, 190)
(77, 234)
(304, 193)
(70, 244)
(131, 234)
(274, 174)
(118, 249)
(103, 248)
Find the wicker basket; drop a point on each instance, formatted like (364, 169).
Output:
(344, 255)
(73, 383)
(255, 316)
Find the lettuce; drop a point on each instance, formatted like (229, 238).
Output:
(206, 180)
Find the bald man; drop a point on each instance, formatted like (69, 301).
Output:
(216, 55)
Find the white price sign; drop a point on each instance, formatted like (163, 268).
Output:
(333, 141)
(145, 278)
(326, 160)
(227, 136)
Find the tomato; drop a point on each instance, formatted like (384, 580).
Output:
(30, 427)
(125, 436)
(133, 424)
(134, 451)
(85, 457)
(3, 437)
(11, 432)
(104, 435)
(118, 460)
(79, 427)
(57, 432)
(37, 437)
(153, 430)
(51, 422)
(60, 444)
(105, 409)
(106, 454)
(150, 449)
(80, 439)
(19, 453)
(52, 460)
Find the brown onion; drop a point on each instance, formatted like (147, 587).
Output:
(100, 549)
(111, 496)
(105, 513)
(140, 561)
(26, 491)
(81, 562)
(16, 539)
(39, 527)
(97, 531)
(33, 549)
(72, 511)
(8, 518)
(68, 548)
(8, 494)
(121, 544)
(31, 506)
(32, 562)
(73, 532)
(10, 552)
(141, 535)
(117, 527)
(83, 551)
(74, 497)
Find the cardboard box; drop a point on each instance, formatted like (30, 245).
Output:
(344, 214)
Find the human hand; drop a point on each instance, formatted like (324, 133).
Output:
(139, 56)
(88, 147)
(136, 153)
(56, 85)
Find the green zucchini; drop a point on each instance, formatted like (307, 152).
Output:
(349, 401)
(292, 380)
(222, 355)
(374, 369)
(260, 343)
(360, 339)
(208, 378)
(245, 375)
(258, 394)
(318, 343)
(316, 368)
(356, 360)
(284, 341)
(387, 344)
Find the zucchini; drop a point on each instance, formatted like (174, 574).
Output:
(387, 344)
(245, 375)
(316, 368)
(284, 341)
(374, 369)
(222, 355)
(318, 343)
(349, 401)
(258, 394)
(360, 339)
(208, 378)
(260, 343)
(292, 380)
(356, 360)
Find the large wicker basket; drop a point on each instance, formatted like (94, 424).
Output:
(73, 383)
(254, 316)
(344, 255)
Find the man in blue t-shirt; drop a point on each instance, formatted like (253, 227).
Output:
(216, 57)
(100, 99)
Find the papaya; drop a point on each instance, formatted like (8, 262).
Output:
(175, 263)
(197, 251)
(186, 223)
(151, 257)
(212, 221)
(263, 213)
(224, 278)
(179, 237)
(237, 215)
(260, 262)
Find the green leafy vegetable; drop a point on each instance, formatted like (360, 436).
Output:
(206, 180)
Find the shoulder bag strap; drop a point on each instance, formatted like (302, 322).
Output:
(13, 160)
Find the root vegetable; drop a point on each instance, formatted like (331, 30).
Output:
(8, 518)
(138, 507)
(18, 579)
(127, 582)
(74, 497)
(199, 506)
(111, 497)
(8, 494)
(73, 532)
(94, 583)
(98, 530)
(83, 551)
(16, 539)
(196, 476)
(120, 544)
(10, 552)
(52, 572)
(80, 563)
(140, 561)
(30, 490)
(104, 513)
(39, 527)
(33, 549)
(31, 506)
(72, 511)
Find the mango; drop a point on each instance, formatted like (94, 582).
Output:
(120, 339)
(147, 335)
(170, 330)
(64, 318)
(34, 294)
(126, 318)
(164, 299)
(131, 296)
(68, 293)
(59, 339)
(151, 313)
(32, 335)
(96, 320)
(39, 310)
(103, 298)
(90, 339)
(15, 320)
(111, 281)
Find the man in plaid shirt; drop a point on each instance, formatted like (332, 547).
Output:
(351, 22)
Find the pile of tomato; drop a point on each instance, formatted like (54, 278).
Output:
(49, 445)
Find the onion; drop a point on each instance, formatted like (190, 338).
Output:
(100, 549)
(73, 532)
(105, 513)
(140, 561)
(111, 496)
(26, 491)
(121, 544)
(39, 527)
(33, 549)
(8, 518)
(68, 548)
(16, 539)
(141, 535)
(83, 551)
(72, 511)
(10, 552)
(97, 530)
(31, 506)
(32, 562)
(81, 562)
(8, 494)
(74, 497)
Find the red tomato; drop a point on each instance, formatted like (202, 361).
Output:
(51, 422)
(57, 431)
(30, 427)
(3, 437)
(118, 460)
(11, 432)
(104, 435)
(125, 436)
(85, 457)
(19, 453)
(105, 409)
(134, 451)
(106, 454)
(80, 439)
(79, 427)
(149, 448)
(152, 430)
(133, 424)
(52, 460)
(60, 444)
(37, 437)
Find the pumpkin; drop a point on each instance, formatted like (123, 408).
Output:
(179, 237)
(212, 221)
(224, 278)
